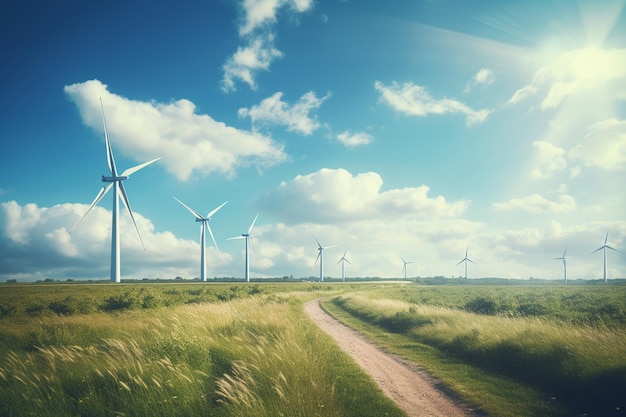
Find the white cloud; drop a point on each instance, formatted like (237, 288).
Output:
(575, 72)
(483, 77)
(413, 100)
(261, 13)
(352, 140)
(259, 18)
(35, 243)
(536, 204)
(247, 61)
(296, 117)
(548, 160)
(604, 146)
(335, 195)
(195, 143)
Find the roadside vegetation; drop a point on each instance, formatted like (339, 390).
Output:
(522, 350)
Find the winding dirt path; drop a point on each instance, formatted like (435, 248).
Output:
(412, 391)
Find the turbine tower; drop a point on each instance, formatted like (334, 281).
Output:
(320, 256)
(115, 181)
(564, 259)
(343, 261)
(247, 237)
(404, 266)
(604, 248)
(466, 260)
(205, 225)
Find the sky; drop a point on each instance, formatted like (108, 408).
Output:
(410, 130)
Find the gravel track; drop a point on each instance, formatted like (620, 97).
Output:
(412, 390)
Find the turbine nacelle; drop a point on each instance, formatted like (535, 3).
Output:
(114, 179)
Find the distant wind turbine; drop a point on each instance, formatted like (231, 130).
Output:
(205, 225)
(320, 256)
(604, 248)
(466, 260)
(115, 182)
(564, 259)
(247, 237)
(343, 261)
(404, 266)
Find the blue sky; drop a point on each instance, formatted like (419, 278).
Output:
(415, 130)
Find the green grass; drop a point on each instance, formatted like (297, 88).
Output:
(258, 355)
(561, 367)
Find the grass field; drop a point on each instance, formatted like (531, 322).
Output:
(253, 355)
(562, 348)
(179, 349)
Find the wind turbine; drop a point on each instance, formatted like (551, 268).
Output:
(343, 261)
(247, 237)
(604, 248)
(115, 182)
(205, 225)
(466, 259)
(404, 266)
(320, 256)
(564, 259)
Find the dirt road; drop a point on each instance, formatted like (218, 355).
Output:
(414, 393)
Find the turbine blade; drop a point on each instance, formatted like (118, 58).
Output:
(130, 211)
(195, 213)
(347, 261)
(471, 261)
(208, 226)
(318, 256)
(110, 159)
(95, 201)
(460, 262)
(616, 250)
(208, 216)
(565, 251)
(317, 241)
(606, 238)
(136, 168)
(253, 221)
(600, 248)
(236, 237)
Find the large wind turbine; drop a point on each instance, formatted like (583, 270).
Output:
(564, 259)
(203, 227)
(404, 266)
(247, 237)
(115, 182)
(466, 260)
(604, 248)
(320, 256)
(343, 261)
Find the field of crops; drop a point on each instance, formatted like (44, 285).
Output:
(567, 345)
(179, 349)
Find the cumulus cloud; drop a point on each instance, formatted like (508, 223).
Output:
(352, 140)
(536, 204)
(604, 146)
(414, 100)
(261, 13)
(273, 110)
(244, 64)
(35, 244)
(259, 17)
(548, 160)
(195, 143)
(483, 77)
(576, 72)
(335, 195)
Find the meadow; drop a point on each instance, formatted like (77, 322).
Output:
(174, 350)
(179, 349)
(513, 351)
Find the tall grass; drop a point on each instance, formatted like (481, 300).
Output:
(580, 367)
(258, 356)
